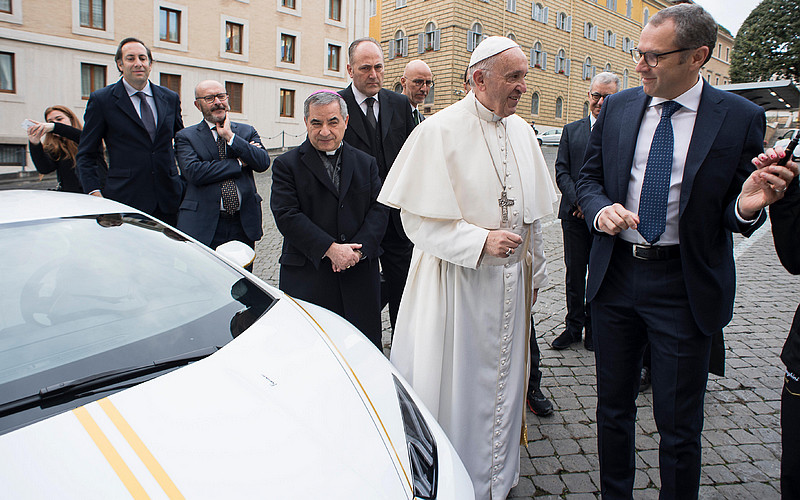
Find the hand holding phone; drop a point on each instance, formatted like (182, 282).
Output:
(26, 124)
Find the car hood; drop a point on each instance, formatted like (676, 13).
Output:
(277, 413)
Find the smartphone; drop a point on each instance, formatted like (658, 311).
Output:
(26, 124)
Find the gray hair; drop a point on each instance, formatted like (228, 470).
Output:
(323, 98)
(605, 78)
(484, 64)
(351, 50)
(694, 27)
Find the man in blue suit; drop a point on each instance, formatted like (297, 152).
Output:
(667, 179)
(218, 157)
(138, 120)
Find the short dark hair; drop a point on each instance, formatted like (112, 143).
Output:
(352, 49)
(130, 39)
(694, 27)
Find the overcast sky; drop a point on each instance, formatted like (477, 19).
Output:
(729, 13)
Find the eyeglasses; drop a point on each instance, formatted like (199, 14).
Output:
(596, 96)
(420, 83)
(211, 98)
(651, 58)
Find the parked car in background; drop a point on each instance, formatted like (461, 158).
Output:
(136, 362)
(550, 137)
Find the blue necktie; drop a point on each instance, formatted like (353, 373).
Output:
(655, 186)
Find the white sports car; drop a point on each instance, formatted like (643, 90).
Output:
(135, 362)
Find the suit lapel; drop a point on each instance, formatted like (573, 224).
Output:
(357, 123)
(207, 139)
(386, 113)
(125, 104)
(310, 158)
(162, 105)
(710, 114)
(628, 134)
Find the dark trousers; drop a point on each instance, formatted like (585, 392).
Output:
(535, 378)
(790, 440)
(395, 261)
(577, 244)
(640, 302)
(229, 228)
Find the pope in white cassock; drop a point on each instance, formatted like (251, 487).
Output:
(472, 184)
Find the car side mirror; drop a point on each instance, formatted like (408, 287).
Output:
(237, 252)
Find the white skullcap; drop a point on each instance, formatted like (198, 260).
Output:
(490, 47)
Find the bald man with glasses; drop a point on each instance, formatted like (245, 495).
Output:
(417, 82)
(218, 157)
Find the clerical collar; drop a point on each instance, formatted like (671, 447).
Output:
(130, 90)
(689, 100)
(330, 153)
(360, 98)
(484, 113)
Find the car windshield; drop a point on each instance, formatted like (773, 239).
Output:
(82, 295)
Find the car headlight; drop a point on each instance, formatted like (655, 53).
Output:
(421, 445)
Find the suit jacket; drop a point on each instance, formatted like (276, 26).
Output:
(785, 217)
(395, 122)
(728, 133)
(571, 152)
(311, 214)
(198, 157)
(141, 172)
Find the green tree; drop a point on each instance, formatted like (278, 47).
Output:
(768, 43)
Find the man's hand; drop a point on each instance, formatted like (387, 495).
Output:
(343, 256)
(224, 129)
(578, 212)
(767, 184)
(501, 243)
(616, 218)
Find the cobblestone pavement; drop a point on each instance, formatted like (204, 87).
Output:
(741, 440)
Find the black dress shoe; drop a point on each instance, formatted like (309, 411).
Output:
(564, 340)
(539, 404)
(644, 380)
(588, 344)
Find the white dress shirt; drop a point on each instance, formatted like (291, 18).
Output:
(148, 92)
(360, 98)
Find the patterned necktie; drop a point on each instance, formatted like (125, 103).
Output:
(147, 115)
(371, 113)
(230, 200)
(655, 186)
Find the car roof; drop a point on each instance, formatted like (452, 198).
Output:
(20, 205)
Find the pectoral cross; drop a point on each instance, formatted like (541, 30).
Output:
(504, 201)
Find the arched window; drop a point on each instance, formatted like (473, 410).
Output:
(537, 55)
(512, 37)
(624, 79)
(561, 61)
(398, 87)
(474, 36)
(645, 16)
(607, 68)
(400, 44)
(587, 68)
(559, 107)
(629, 9)
(430, 39)
(539, 13)
(585, 108)
(535, 103)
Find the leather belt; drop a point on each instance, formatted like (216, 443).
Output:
(650, 252)
(225, 215)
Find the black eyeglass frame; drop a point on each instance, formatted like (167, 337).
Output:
(420, 83)
(657, 55)
(211, 98)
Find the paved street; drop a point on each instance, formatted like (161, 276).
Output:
(741, 440)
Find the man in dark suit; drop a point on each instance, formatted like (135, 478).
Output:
(138, 120)
(218, 157)
(785, 218)
(380, 122)
(577, 238)
(417, 82)
(667, 179)
(324, 199)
